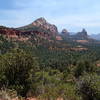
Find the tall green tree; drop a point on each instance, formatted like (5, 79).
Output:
(89, 87)
(16, 67)
(84, 66)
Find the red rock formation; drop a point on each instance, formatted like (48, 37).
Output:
(42, 23)
(9, 32)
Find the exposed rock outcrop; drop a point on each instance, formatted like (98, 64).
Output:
(42, 23)
(65, 32)
(40, 26)
(9, 32)
(83, 34)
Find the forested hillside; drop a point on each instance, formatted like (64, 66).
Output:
(34, 63)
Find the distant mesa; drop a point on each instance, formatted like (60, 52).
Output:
(40, 27)
(95, 36)
(83, 34)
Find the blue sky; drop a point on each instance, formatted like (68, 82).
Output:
(70, 14)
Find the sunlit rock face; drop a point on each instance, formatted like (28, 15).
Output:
(42, 23)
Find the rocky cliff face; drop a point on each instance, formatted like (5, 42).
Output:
(42, 23)
(41, 27)
(9, 32)
(82, 35)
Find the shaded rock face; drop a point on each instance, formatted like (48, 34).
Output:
(42, 23)
(65, 32)
(82, 34)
